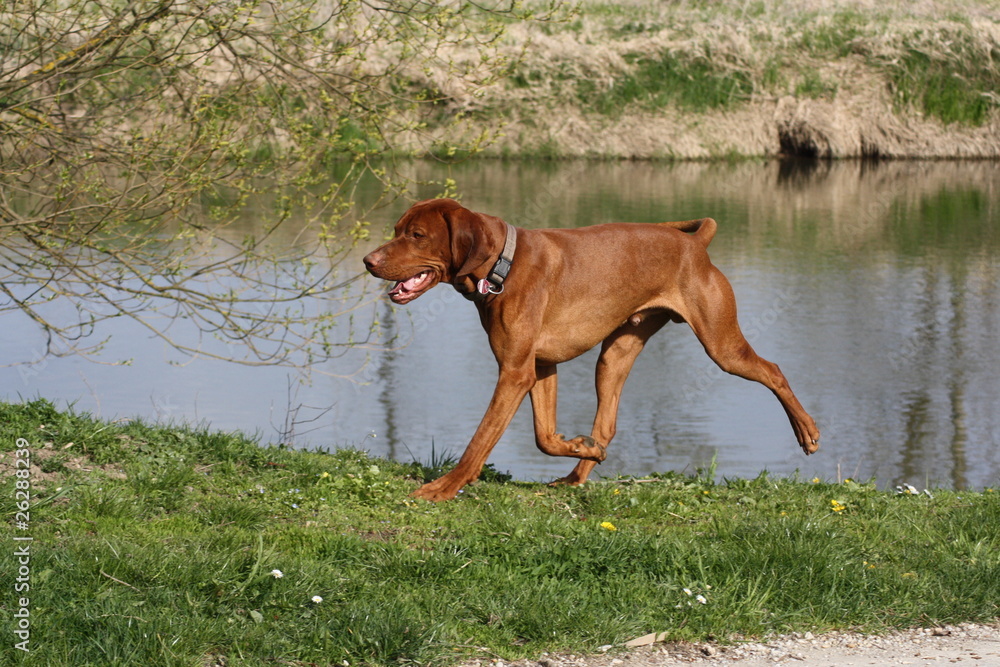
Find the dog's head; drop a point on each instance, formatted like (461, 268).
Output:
(435, 241)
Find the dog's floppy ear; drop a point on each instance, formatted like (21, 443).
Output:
(471, 246)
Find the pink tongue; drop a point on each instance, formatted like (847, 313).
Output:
(408, 285)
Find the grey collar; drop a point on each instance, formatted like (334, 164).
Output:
(493, 282)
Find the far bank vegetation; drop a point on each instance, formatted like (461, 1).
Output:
(681, 80)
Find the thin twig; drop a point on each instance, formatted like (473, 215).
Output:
(120, 581)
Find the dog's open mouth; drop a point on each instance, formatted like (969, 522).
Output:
(405, 291)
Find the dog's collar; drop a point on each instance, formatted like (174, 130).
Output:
(493, 282)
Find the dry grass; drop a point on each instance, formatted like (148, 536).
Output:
(752, 78)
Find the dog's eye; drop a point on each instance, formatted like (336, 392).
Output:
(417, 234)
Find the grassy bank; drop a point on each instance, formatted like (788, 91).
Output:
(176, 546)
(697, 79)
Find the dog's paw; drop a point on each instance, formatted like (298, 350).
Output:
(568, 480)
(585, 441)
(807, 434)
(434, 492)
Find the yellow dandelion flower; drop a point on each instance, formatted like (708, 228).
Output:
(607, 525)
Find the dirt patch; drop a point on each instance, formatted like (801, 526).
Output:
(51, 465)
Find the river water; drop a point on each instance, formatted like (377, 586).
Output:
(875, 287)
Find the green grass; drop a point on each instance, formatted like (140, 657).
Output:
(814, 86)
(836, 35)
(156, 545)
(958, 85)
(666, 80)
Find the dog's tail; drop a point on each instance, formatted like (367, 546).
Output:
(702, 229)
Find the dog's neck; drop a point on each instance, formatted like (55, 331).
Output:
(493, 283)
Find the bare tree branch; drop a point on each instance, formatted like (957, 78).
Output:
(195, 164)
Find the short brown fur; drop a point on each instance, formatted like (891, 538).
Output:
(568, 290)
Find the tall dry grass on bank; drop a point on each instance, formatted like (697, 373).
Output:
(716, 79)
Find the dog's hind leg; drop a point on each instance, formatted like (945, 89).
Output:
(618, 354)
(712, 316)
(543, 407)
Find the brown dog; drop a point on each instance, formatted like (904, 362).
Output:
(548, 295)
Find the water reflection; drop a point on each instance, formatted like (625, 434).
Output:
(873, 286)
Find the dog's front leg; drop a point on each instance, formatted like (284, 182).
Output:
(512, 386)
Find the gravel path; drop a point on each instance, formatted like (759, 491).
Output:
(969, 644)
